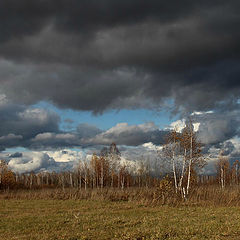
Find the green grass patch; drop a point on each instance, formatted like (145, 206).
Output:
(84, 219)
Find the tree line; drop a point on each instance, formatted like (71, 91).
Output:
(181, 153)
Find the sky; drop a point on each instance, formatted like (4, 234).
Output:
(76, 76)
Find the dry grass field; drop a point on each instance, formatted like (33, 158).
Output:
(92, 219)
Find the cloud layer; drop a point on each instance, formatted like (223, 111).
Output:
(92, 55)
(20, 123)
(38, 129)
(53, 151)
(102, 55)
(130, 135)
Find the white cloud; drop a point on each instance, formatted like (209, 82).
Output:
(178, 125)
(66, 155)
(152, 146)
(31, 161)
(201, 113)
(196, 126)
(54, 136)
(38, 161)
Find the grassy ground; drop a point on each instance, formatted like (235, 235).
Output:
(84, 219)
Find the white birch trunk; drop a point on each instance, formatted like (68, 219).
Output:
(123, 181)
(71, 179)
(222, 177)
(85, 180)
(174, 175)
(190, 164)
(102, 175)
(174, 167)
(183, 169)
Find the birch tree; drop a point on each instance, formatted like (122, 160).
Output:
(184, 151)
(192, 154)
(171, 151)
(114, 157)
(222, 169)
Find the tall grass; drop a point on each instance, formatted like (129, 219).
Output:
(200, 196)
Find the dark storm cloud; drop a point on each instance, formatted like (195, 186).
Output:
(20, 123)
(99, 55)
(26, 122)
(72, 87)
(20, 18)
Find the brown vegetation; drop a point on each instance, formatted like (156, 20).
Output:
(164, 194)
(104, 178)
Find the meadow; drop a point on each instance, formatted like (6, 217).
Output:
(54, 214)
(88, 219)
(103, 199)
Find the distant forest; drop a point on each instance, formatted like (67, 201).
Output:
(182, 153)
